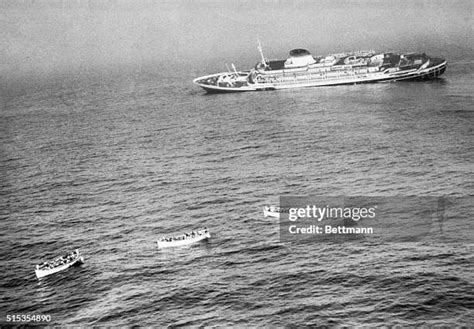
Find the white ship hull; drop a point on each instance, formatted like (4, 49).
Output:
(325, 74)
(43, 273)
(184, 242)
(275, 212)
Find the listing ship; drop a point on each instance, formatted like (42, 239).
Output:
(302, 70)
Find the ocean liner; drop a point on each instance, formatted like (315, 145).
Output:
(302, 69)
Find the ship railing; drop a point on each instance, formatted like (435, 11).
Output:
(301, 80)
(354, 53)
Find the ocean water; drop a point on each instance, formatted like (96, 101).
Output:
(111, 163)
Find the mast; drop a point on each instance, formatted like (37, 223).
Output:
(261, 52)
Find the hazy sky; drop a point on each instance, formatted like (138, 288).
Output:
(41, 37)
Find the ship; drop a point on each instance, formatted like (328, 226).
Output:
(59, 264)
(184, 239)
(301, 70)
(274, 211)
